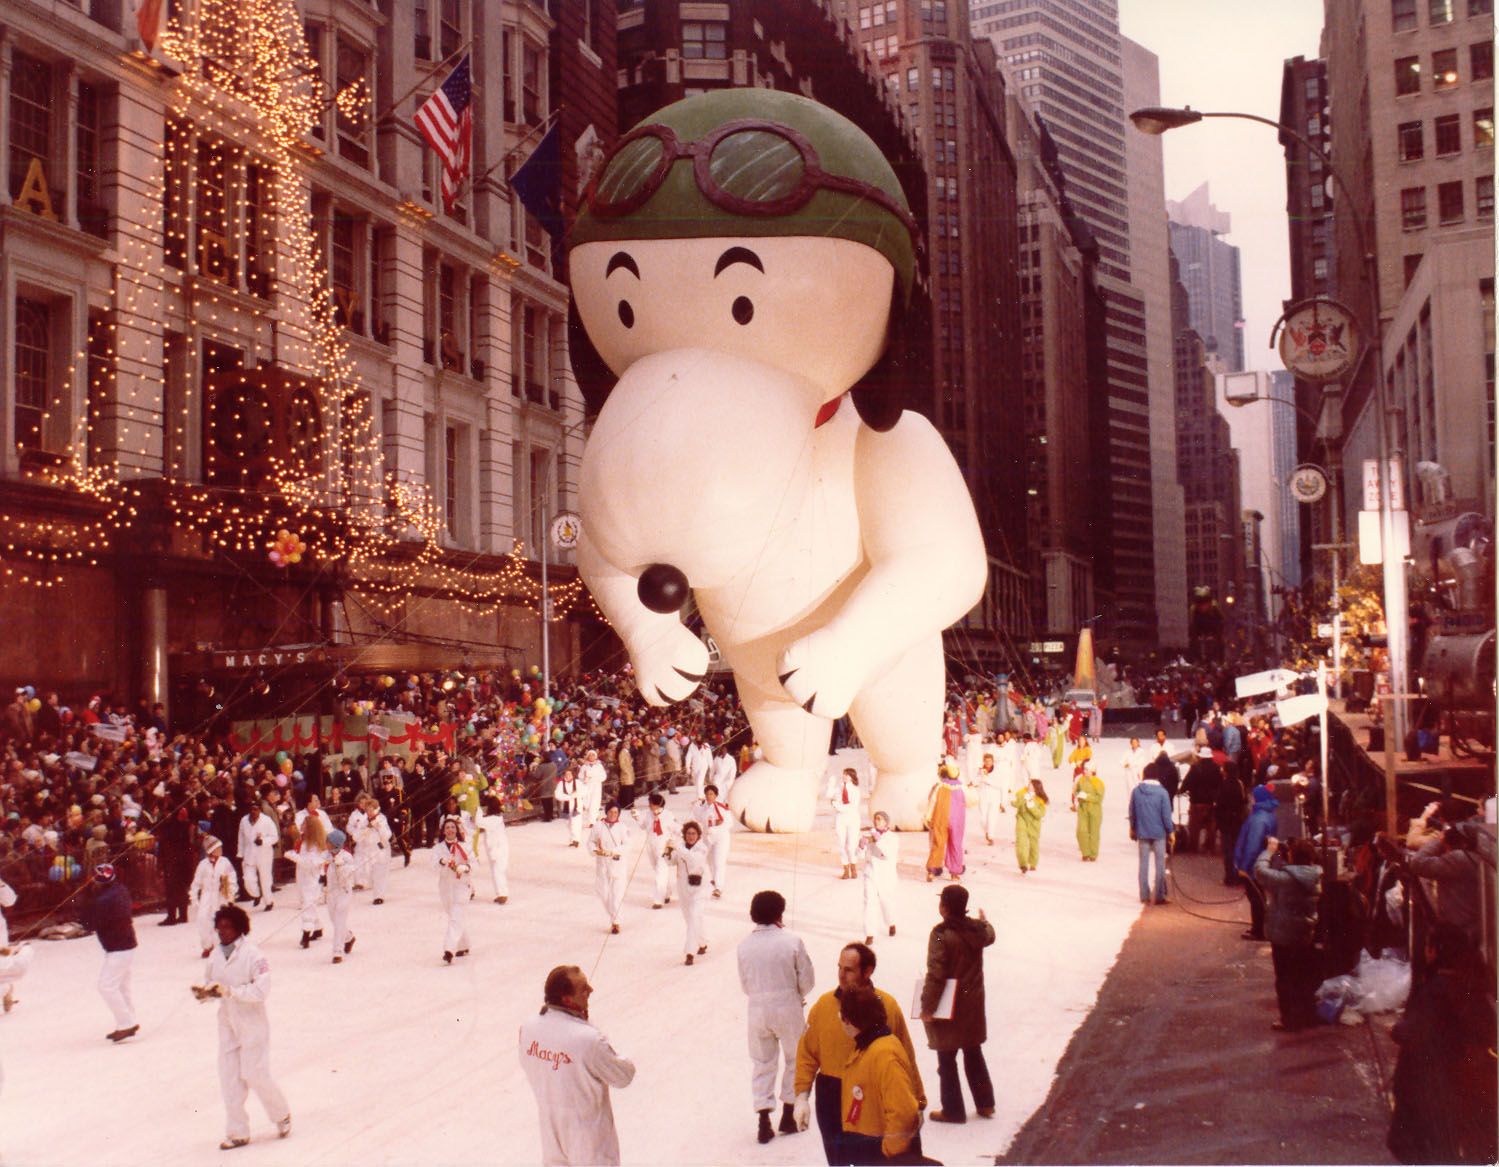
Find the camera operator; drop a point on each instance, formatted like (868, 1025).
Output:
(1446, 859)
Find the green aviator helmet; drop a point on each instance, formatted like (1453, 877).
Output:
(750, 162)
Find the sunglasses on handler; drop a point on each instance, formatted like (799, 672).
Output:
(747, 167)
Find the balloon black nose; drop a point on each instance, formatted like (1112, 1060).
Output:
(663, 588)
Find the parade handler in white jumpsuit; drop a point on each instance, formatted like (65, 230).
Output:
(214, 884)
(690, 856)
(240, 977)
(844, 796)
(590, 789)
(342, 867)
(717, 821)
(660, 828)
(880, 847)
(992, 783)
(454, 889)
(776, 974)
(370, 830)
(607, 841)
(494, 843)
(258, 837)
(571, 1066)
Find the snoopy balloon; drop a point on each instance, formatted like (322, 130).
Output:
(735, 266)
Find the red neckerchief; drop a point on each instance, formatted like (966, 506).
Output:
(458, 849)
(825, 414)
(845, 792)
(656, 825)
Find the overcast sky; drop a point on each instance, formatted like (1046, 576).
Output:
(1227, 55)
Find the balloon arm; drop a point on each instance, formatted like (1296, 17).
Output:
(669, 660)
(927, 566)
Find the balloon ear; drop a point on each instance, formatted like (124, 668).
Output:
(595, 379)
(891, 386)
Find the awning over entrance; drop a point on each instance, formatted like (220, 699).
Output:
(375, 657)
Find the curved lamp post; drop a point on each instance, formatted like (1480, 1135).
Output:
(1157, 120)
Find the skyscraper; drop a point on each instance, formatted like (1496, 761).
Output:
(1071, 71)
(1210, 273)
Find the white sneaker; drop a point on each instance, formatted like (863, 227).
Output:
(283, 1128)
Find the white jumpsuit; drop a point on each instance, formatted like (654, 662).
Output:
(311, 863)
(699, 763)
(13, 966)
(454, 891)
(692, 862)
(881, 851)
(244, 1035)
(341, 872)
(993, 789)
(718, 829)
(257, 851)
(590, 793)
(610, 872)
(845, 798)
(724, 771)
(371, 850)
(214, 885)
(568, 805)
(776, 975)
(570, 1066)
(7, 900)
(659, 831)
(492, 841)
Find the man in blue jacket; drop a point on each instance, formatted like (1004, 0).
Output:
(1150, 826)
(110, 918)
(1259, 826)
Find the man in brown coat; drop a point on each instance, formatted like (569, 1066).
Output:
(955, 951)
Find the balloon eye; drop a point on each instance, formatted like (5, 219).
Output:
(626, 314)
(743, 311)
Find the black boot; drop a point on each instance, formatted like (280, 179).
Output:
(306, 938)
(788, 1120)
(765, 1134)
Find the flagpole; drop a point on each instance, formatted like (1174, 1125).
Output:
(427, 76)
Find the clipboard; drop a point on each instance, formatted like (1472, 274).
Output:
(945, 1002)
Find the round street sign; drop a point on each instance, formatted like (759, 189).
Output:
(1308, 484)
(1319, 340)
(566, 528)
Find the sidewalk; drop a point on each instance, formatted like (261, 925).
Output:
(1178, 1063)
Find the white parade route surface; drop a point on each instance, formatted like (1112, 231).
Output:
(392, 1057)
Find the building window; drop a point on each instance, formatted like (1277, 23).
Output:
(259, 247)
(421, 21)
(1403, 15)
(1413, 208)
(1407, 75)
(353, 69)
(1481, 61)
(1483, 196)
(101, 379)
(913, 79)
(1444, 69)
(30, 122)
(92, 215)
(382, 252)
(451, 31)
(1450, 203)
(1440, 11)
(447, 317)
(1449, 134)
(215, 259)
(343, 271)
(1480, 7)
(313, 33)
(1412, 145)
(450, 480)
(33, 357)
(705, 40)
(1319, 269)
(1483, 127)
(533, 74)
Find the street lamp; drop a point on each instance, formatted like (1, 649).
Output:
(1157, 120)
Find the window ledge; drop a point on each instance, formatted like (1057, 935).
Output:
(585, 50)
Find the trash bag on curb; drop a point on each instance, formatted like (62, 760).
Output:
(1334, 995)
(1384, 984)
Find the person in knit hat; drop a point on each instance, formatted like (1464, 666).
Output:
(214, 884)
(107, 915)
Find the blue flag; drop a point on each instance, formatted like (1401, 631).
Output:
(539, 182)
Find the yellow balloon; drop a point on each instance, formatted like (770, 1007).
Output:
(34, 704)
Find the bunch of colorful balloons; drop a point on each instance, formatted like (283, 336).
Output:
(64, 869)
(286, 548)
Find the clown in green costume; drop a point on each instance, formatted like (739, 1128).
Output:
(1087, 800)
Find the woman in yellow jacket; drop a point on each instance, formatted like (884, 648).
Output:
(881, 1115)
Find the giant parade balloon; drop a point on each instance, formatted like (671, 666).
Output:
(740, 265)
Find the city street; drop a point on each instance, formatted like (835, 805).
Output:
(393, 1058)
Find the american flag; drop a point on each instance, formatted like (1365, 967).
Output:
(446, 122)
